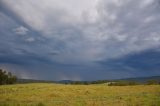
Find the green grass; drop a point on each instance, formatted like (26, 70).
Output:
(79, 95)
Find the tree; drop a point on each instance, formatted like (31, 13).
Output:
(7, 77)
(3, 77)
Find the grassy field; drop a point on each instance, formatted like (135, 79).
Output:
(79, 95)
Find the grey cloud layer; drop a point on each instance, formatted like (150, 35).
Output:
(77, 32)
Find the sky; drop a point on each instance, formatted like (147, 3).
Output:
(80, 39)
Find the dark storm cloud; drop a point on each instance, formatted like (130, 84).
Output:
(62, 40)
(138, 64)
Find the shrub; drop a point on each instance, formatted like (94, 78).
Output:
(122, 83)
(40, 104)
(152, 82)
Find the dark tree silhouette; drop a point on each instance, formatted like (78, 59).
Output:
(7, 77)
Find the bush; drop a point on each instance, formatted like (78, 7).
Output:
(152, 82)
(122, 83)
(40, 104)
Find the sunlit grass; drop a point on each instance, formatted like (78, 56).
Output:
(79, 95)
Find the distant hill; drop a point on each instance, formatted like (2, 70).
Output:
(137, 79)
(64, 81)
(33, 81)
(142, 79)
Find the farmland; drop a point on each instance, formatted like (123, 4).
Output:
(43, 94)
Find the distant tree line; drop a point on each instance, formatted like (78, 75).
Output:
(123, 83)
(23, 81)
(87, 82)
(7, 77)
(114, 83)
(130, 83)
(153, 82)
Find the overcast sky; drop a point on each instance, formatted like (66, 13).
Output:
(80, 39)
